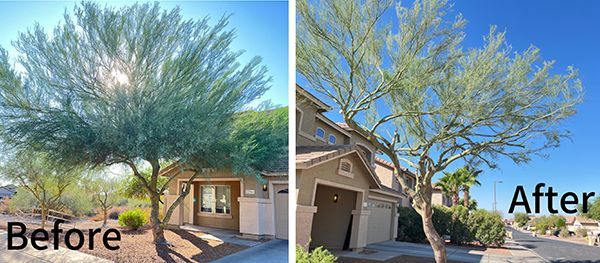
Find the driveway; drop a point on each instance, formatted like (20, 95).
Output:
(29, 254)
(556, 250)
(270, 251)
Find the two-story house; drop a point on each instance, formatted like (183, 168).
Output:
(346, 196)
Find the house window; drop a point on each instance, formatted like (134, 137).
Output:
(332, 139)
(216, 199)
(320, 133)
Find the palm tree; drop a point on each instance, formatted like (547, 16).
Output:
(451, 184)
(469, 179)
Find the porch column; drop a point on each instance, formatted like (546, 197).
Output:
(360, 222)
(395, 217)
(304, 220)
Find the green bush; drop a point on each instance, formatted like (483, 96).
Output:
(133, 219)
(487, 228)
(459, 230)
(581, 232)
(564, 232)
(410, 226)
(521, 219)
(318, 255)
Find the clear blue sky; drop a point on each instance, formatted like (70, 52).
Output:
(568, 33)
(261, 26)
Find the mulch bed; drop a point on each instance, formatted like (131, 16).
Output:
(399, 259)
(137, 246)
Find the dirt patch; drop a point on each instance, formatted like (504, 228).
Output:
(137, 246)
(399, 259)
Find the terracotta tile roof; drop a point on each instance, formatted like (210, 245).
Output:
(307, 156)
(391, 165)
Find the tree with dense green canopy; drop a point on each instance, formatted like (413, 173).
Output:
(135, 85)
(423, 99)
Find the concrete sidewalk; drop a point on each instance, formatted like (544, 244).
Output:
(271, 251)
(29, 254)
(389, 249)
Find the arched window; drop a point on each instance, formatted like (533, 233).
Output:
(320, 133)
(331, 139)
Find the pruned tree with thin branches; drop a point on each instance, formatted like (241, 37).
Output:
(404, 80)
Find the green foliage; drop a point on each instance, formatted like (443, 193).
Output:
(437, 101)
(593, 209)
(410, 225)
(132, 85)
(564, 232)
(318, 255)
(552, 222)
(459, 230)
(132, 187)
(472, 203)
(521, 219)
(447, 221)
(133, 219)
(260, 141)
(487, 228)
(581, 232)
(23, 200)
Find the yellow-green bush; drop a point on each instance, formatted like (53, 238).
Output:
(133, 219)
(318, 255)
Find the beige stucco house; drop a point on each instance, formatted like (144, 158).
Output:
(346, 196)
(438, 197)
(223, 200)
(574, 222)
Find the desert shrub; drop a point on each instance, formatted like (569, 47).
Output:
(318, 255)
(487, 228)
(133, 219)
(521, 219)
(581, 232)
(23, 200)
(564, 232)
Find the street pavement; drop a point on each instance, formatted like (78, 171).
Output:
(556, 250)
(29, 254)
(269, 252)
(387, 250)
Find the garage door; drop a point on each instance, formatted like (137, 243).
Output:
(380, 221)
(281, 210)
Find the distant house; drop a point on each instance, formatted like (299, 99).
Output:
(7, 191)
(575, 222)
(438, 197)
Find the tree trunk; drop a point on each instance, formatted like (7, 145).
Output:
(455, 199)
(158, 230)
(44, 214)
(466, 197)
(437, 243)
(105, 216)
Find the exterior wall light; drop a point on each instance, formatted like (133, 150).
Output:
(264, 187)
(335, 198)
